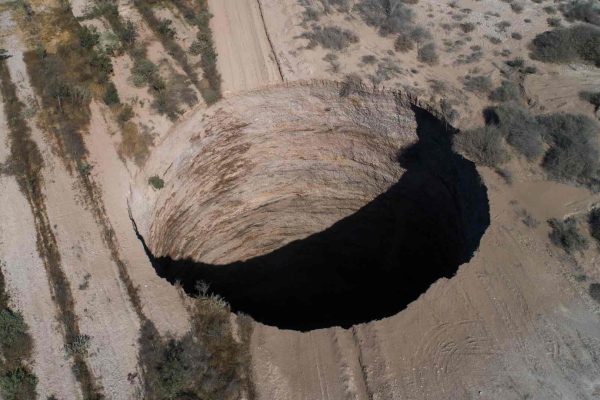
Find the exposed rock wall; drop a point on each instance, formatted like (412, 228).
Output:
(265, 168)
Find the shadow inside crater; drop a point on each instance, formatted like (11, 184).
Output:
(371, 264)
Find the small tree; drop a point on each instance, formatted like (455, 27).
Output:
(156, 182)
(111, 96)
(88, 38)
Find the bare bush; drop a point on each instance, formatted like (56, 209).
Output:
(594, 224)
(484, 146)
(565, 234)
(389, 16)
(477, 83)
(574, 151)
(582, 10)
(520, 129)
(565, 45)
(507, 91)
(428, 54)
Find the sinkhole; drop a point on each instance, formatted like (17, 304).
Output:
(367, 265)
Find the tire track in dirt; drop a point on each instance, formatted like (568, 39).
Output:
(245, 55)
(275, 58)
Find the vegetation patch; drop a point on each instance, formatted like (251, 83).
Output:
(17, 382)
(427, 54)
(485, 146)
(568, 142)
(388, 16)
(156, 182)
(591, 97)
(165, 32)
(506, 92)
(26, 163)
(594, 224)
(206, 363)
(582, 10)
(330, 37)
(564, 45)
(565, 234)
(477, 83)
(198, 14)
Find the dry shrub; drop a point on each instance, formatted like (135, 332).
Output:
(565, 45)
(206, 363)
(565, 234)
(389, 16)
(594, 224)
(330, 37)
(484, 146)
(427, 54)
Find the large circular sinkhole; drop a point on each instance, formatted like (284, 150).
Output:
(309, 206)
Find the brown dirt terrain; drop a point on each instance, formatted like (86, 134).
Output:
(515, 322)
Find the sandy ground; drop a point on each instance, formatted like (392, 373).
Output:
(245, 57)
(160, 300)
(284, 20)
(104, 314)
(26, 277)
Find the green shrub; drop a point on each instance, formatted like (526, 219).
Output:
(18, 384)
(165, 28)
(156, 182)
(127, 33)
(206, 363)
(111, 95)
(79, 346)
(594, 224)
(12, 328)
(565, 234)
(484, 146)
(565, 45)
(88, 38)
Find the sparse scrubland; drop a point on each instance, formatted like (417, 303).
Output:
(206, 363)
(17, 381)
(565, 45)
(566, 143)
(25, 164)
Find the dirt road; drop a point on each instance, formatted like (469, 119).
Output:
(245, 57)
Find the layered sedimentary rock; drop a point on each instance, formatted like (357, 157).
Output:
(265, 168)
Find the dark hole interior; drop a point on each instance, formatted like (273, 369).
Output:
(371, 264)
